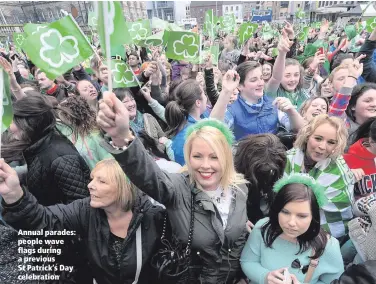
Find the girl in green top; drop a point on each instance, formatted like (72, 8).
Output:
(288, 78)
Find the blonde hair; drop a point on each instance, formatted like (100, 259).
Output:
(310, 128)
(217, 141)
(126, 195)
(335, 70)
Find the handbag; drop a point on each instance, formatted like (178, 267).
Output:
(172, 261)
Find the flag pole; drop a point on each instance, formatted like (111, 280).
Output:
(107, 45)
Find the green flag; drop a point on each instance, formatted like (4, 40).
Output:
(122, 75)
(213, 50)
(58, 48)
(92, 20)
(246, 31)
(6, 111)
(19, 40)
(316, 25)
(139, 30)
(371, 24)
(115, 27)
(228, 23)
(175, 28)
(350, 31)
(299, 14)
(157, 23)
(266, 32)
(209, 27)
(158, 39)
(303, 35)
(31, 29)
(183, 46)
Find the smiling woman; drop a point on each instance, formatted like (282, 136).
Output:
(318, 152)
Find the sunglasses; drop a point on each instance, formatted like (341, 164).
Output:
(297, 265)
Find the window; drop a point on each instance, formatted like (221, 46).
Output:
(298, 5)
(237, 8)
(226, 9)
(281, 14)
(232, 8)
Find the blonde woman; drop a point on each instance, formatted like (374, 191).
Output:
(209, 182)
(318, 152)
(110, 222)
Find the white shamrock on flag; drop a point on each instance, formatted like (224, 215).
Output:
(94, 21)
(125, 74)
(139, 31)
(38, 29)
(153, 42)
(54, 52)
(186, 46)
(20, 39)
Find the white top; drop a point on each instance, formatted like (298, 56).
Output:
(222, 200)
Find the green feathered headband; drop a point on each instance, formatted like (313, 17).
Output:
(307, 180)
(213, 123)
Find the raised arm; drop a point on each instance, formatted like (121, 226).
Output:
(136, 163)
(279, 65)
(368, 48)
(230, 82)
(14, 86)
(22, 211)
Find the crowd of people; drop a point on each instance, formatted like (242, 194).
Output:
(260, 169)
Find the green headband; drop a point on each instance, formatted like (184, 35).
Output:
(213, 123)
(307, 180)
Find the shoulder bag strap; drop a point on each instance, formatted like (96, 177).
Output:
(138, 253)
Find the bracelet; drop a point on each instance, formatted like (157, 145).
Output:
(356, 79)
(123, 148)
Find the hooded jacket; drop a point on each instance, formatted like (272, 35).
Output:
(358, 157)
(92, 225)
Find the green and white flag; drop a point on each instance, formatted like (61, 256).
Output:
(246, 31)
(371, 24)
(6, 110)
(122, 75)
(300, 14)
(209, 26)
(92, 20)
(175, 28)
(19, 39)
(183, 46)
(157, 23)
(213, 50)
(58, 48)
(228, 23)
(115, 26)
(350, 31)
(32, 29)
(139, 30)
(266, 32)
(303, 35)
(158, 39)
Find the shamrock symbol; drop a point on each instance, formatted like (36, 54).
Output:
(38, 29)
(228, 20)
(138, 31)
(57, 49)
(186, 46)
(124, 74)
(248, 32)
(153, 42)
(20, 39)
(372, 24)
(94, 21)
(300, 14)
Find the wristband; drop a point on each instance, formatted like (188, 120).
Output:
(356, 79)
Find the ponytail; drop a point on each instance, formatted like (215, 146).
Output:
(176, 117)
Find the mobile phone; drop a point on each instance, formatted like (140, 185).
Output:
(287, 277)
(321, 49)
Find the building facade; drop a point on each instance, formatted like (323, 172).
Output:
(199, 8)
(164, 10)
(233, 7)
